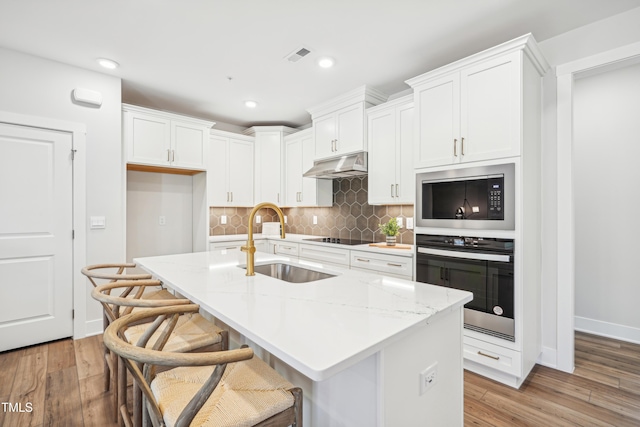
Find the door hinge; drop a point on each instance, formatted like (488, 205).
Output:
(73, 154)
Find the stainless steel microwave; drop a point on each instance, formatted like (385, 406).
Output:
(468, 198)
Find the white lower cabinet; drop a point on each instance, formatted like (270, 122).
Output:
(493, 356)
(370, 262)
(390, 265)
(283, 248)
(324, 255)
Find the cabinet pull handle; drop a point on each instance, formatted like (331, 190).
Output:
(227, 196)
(232, 247)
(462, 146)
(362, 260)
(168, 155)
(301, 197)
(397, 194)
(289, 248)
(489, 356)
(278, 197)
(455, 147)
(336, 144)
(173, 155)
(232, 196)
(394, 265)
(392, 190)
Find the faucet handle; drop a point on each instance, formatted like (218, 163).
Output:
(248, 248)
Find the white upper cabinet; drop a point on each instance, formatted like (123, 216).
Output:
(299, 191)
(269, 167)
(390, 134)
(230, 170)
(472, 109)
(155, 138)
(339, 125)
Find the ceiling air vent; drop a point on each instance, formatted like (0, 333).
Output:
(298, 54)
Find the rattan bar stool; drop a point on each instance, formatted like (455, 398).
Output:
(191, 333)
(108, 273)
(223, 388)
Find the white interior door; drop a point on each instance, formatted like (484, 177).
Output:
(36, 243)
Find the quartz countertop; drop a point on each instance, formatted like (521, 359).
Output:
(301, 238)
(318, 328)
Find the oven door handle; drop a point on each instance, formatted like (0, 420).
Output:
(466, 255)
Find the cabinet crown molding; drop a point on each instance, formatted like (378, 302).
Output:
(227, 134)
(525, 43)
(365, 94)
(285, 130)
(167, 115)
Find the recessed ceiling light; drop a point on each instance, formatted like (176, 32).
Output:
(250, 104)
(326, 62)
(108, 63)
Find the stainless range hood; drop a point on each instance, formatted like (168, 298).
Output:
(339, 167)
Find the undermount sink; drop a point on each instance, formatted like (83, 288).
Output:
(291, 273)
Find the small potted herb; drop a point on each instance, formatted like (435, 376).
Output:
(391, 230)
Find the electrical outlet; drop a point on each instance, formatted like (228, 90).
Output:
(399, 221)
(315, 220)
(223, 219)
(285, 219)
(428, 378)
(162, 220)
(258, 219)
(410, 223)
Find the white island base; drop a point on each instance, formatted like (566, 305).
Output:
(356, 343)
(384, 388)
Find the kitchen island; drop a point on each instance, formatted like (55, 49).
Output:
(356, 343)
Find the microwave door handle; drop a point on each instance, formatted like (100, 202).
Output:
(466, 255)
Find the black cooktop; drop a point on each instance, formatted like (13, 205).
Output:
(339, 241)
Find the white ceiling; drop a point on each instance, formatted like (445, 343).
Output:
(178, 55)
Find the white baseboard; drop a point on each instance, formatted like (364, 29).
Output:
(548, 357)
(93, 327)
(606, 329)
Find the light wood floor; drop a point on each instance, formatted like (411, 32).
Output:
(63, 381)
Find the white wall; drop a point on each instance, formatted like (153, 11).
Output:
(598, 37)
(606, 178)
(38, 87)
(149, 196)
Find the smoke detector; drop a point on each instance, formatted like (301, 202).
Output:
(298, 54)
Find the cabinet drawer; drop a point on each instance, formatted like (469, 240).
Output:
(396, 265)
(283, 248)
(261, 245)
(325, 254)
(493, 356)
(226, 246)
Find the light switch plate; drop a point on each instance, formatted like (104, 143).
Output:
(410, 223)
(258, 219)
(223, 219)
(399, 220)
(315, 220)
(98, 222)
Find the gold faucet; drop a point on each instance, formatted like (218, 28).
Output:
(250, 248)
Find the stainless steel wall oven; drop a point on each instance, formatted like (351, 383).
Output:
(483, 266)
